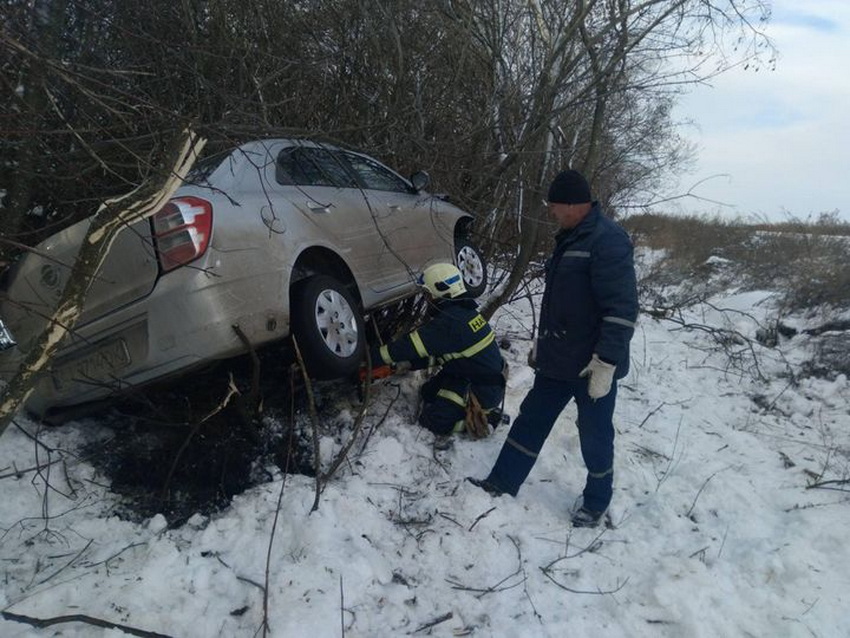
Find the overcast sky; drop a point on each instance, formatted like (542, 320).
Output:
(780, 139)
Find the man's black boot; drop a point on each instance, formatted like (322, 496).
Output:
(486, 485)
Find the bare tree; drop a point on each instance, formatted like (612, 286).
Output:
(490, 96)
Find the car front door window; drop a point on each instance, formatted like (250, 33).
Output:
(376, 177)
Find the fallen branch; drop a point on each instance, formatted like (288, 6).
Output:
(66, 565)
(105, 561)
(498, 586)
(436, 621)
(596, 592)
(824, 484)
(480, 517)
(35, 468)
(40, 623)
(592, 547)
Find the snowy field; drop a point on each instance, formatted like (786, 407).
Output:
(730, 518)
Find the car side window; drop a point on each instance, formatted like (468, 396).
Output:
(375, 176)
(312, 167)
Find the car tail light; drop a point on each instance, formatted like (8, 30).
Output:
(182, 230)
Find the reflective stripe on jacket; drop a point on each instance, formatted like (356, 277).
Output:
(457, 337)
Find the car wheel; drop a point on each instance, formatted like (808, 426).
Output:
(472, 267)
(328, 326)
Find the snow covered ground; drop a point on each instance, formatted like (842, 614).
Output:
(715, 530)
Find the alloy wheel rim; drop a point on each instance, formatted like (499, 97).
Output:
(337, 323)
(470, 266)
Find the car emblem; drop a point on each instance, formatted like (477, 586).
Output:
(50, 276)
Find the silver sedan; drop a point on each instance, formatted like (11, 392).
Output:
(275, 237)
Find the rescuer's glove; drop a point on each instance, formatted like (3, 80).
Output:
(601, 376)
(380, 372)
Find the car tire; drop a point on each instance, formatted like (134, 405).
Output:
(472, 266)
(328, 326)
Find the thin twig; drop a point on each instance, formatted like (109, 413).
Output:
(525, 579)
(591, 547)
(651, 413)
(358, 425)
(341, 608)
(449, 518)
(480, 516)
(277, 508)
(723, 542)
(314, 419)
(231, 390)
(432, 623)
(253, 397)
(115, 555)
(380, 421)
(584, 591)
(822, 484)
(699, 491)
(35, 468)
(66, 565)
(480, 593)
(245, 579)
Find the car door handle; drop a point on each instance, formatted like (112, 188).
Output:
(394, 207)
(316, 207)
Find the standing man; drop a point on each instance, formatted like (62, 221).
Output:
(457, 338)
(587, 319)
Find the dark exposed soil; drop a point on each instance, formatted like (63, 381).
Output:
(175, 451)
(168, 470)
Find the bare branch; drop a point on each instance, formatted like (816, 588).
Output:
(41, 623)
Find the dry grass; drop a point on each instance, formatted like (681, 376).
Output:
(807, 261)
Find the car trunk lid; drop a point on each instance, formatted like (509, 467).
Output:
(37, 280)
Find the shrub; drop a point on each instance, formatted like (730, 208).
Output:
(804, 261)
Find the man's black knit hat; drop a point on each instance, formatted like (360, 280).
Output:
(569, 187)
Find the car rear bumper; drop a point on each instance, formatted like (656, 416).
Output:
(7, 341)
(189, 320)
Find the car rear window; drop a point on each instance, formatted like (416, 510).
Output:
(203, 168)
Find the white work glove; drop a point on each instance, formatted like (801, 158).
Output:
(601, 376)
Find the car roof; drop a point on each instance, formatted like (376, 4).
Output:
(282, 141)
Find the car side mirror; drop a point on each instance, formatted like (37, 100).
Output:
(420, 180)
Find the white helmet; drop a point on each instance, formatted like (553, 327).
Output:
(442, 280)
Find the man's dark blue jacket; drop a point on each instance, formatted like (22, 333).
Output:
(590, 301)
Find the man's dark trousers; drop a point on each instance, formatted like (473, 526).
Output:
(538, 413)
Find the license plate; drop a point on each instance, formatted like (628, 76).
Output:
(95, 368)
(6, 340)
